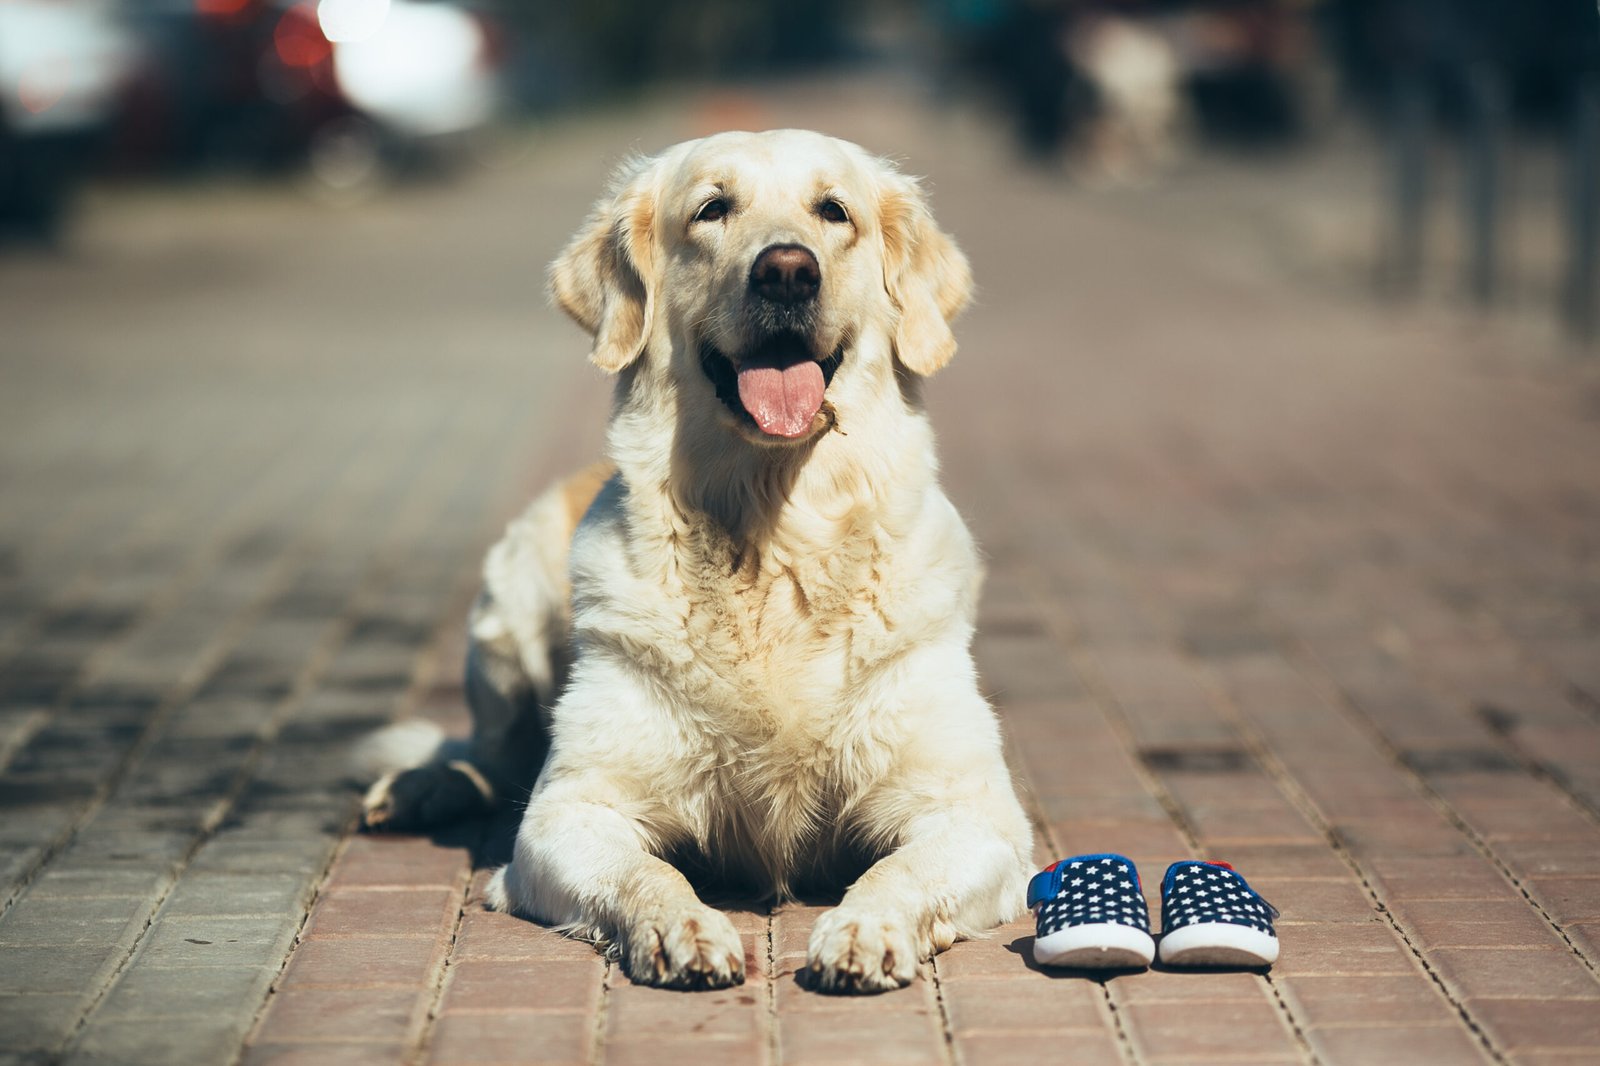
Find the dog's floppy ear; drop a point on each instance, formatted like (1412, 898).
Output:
(925, 273)
(605, 277)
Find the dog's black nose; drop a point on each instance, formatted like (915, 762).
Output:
(786, 274)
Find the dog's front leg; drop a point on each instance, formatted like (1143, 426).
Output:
(954, 877)
(960, 864)
(582, 861)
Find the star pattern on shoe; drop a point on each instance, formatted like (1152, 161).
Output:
(1088, 890)
(1196, 892)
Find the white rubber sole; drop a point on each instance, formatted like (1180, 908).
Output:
(1106, 946)
(1218, 944)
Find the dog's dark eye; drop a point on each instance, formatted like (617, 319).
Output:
(712, 211)
(833, 211)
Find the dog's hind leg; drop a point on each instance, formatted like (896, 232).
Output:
(456, 779)
(517, 661)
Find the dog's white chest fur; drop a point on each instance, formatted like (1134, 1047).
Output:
(783, 658)
(758, 635)
(779, 631)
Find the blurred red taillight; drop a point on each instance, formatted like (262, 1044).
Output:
(221, 8)
(299, 40)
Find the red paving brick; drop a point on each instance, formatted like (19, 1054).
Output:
(512, 1036)
(425, 912)
(1436, 1045)
(737, 1013)
(1523, 1024)
(1368, 1000)
(791, 996)
(512, 984)
(650, 1051)
(342, 1015)
(1402, 878)
(1023, 1003)
(324, 1054)
(1518, 926)
(1538, 973)
(347, 962)
(888, 1037)
(373, 860)
(1568, 899)
(1586, 936)
(1179, 986)
(1032, 1048)
(1313, 900)
(1163, 1032)
(1343, 949)
(487, 935)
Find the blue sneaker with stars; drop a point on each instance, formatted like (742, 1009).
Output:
(1210, 916)
(1091, 914)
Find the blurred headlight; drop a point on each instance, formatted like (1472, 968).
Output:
(421, 71)
(351, 21)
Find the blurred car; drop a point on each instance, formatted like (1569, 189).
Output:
(264, 83)
(62, 66)
(239, 83)
(415, 74)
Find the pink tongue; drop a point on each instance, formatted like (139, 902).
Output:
(782, 400)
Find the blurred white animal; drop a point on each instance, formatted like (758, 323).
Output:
(1135, 73)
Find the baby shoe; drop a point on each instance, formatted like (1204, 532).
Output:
(1091, 914)
(1210, 916)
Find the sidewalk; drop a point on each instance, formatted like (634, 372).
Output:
(1274, 579)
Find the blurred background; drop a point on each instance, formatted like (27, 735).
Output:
(1284, 350)
(1464, 132)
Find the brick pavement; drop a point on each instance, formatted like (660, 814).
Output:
(1274, 579)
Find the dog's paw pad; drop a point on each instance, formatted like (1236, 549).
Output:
(854, 951)
(694, 948)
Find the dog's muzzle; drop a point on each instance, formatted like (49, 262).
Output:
(778, 385)
(778, 382)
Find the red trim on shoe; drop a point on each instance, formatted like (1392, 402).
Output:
(1224, 865)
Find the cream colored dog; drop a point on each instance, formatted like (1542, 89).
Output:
(771, 600)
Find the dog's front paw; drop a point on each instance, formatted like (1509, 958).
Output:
(861, 951)
(692, 947)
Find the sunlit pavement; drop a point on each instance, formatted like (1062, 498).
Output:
(1275, 577)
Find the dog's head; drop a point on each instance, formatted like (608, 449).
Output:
(756, 268)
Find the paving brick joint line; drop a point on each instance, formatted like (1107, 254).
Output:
(436, 990)
(1273, 579)
(769, 1002)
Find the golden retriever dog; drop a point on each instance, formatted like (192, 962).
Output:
(743, 647)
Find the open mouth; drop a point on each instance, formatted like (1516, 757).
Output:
(778, 386)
